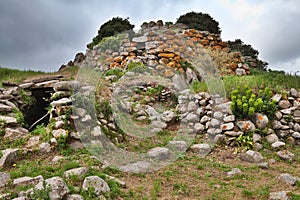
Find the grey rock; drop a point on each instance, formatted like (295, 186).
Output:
(229, 118)
(261, 121)
(278, 115)
(263, 165)
(192, 117)
(159, 124)
(33, 142)
(233, 133)
(58, 188)
(140, 39)
(278, 144)
(177, 146)
(287, 111)
(296, 113)
(74, 197)
(240, 72)
(66, 86)
(256, 137)
(61, 102)
(151, 111)
(285, 155)
(57, 159)
(201, 149)
(214, 131)
(199, 127)
(80, 172)
(97, 183)
(227, 126)
(138, 167)
(276, 124)
(45, 147)
(4, 178)
(168, 116)
(252, 157)
(294, 93)
(204, 119)
(15, 133)
(9, 157)
(179, 82)
(224, 107)
(272, 138)
(192, 106)
(282, 133)
(246, 125)
(284, 104)
(283, 195)
(296, 127)
(160, 153)
(234, 172)
(5, 108)
(218, 115)
(288, 179)
(141, 118)
(9, 120)
(277, 97)
(20, 198)
(296, 135)
(28, 180)
(214, 123)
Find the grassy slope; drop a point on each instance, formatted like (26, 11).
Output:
(190, 177)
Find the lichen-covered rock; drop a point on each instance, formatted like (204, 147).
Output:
(252, 157)
(246, 126)
(261, 121)
(99, 185)
(9, 157)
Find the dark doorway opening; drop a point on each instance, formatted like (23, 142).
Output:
(39, 109)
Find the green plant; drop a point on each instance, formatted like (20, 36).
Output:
(42, 194)
(1, 154)
(2, 127)
(200, 21)
(245, 102)
(27, 99)
(19, 117)
(245, 140)
(198, 86)
(115, 71)
(133, 65)
(110, 28)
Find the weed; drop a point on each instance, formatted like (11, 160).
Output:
(245, 140)
(156, 189)
(41, 194)
(198, 86)
(19, 117)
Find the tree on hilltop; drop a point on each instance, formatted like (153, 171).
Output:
(110, 28)
(200, 21)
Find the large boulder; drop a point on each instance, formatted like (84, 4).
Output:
(99, 185)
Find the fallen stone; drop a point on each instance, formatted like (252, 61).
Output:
(9, 120)
(252, 157)
(234, 172)
(99, 185)
(160, 153)
(272, 138)
(9, 157)
(66, 86)
(80, 172)
(74, 197)
(229, 118)
(28, 180)
(4, 178)
(283, 195)
(227, 126)
(61, 102)
(15, 133)
(285, 155)
(201, 149)
(284, 104)
(288, 179)
(58, 188)
(278, 144)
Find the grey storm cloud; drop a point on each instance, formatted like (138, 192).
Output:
(42, 35)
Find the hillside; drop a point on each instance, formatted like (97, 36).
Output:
(169, 112)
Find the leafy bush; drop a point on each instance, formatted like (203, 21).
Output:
(245, 140)
(247, 50)
(133, 65)
(110, 28)
(245, 102)
(200, 21)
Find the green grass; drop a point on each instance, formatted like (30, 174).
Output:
(14, 75)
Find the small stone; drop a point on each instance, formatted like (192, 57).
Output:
(285, 155)
(15, 133)
(297, 113)
(218, 115)
(283, 195)
(199, 127)
(263, 165)
(58, 188)
(56, 159)
(278, 144)
(60, 133)
(214, 131)
(99, 185)
(296, 127)
(282, 133)
(33, 142)
(272, 138)
(246, 126)
(214, 123)
(61, 102)
(288, 179)
(81, 171)
(28, 180)
(261, 121)
(229, 118)
(284, 104)
(192, 106)
(202, 149)
(278, 115)
(74, 197)
(227, 126)
(192, 117)
(240, 72)
(9, 157)
(177, 146)
(296, 135)
(168, 116)
(4, 178)
(161, 153)
(256, 137)
(233, 133)
(252, 157)
(277, 97)
(45, 147)
(234, 172)
(9, 120)
(294, 93)
(204, 119)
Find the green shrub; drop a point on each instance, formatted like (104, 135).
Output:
(19, 117)
(41, 194)
(245, 102)
(133, 65)
(116, 71)
(245, 140)
(2, 128)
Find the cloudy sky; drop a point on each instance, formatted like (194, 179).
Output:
(44, 34)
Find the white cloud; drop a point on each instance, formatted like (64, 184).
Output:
(242, 9)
